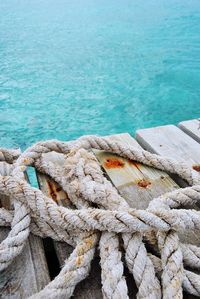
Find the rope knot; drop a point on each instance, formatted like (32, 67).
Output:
(97, 214)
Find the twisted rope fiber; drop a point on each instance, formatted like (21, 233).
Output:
(99, 208)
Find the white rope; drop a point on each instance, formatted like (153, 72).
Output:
(20, 222)
(100, 214)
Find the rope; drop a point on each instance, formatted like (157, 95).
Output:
(99, 216)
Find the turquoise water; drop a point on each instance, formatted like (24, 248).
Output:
(69, 68)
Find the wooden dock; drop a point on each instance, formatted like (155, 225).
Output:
(138, 184)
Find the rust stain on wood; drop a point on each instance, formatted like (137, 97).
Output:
(143, 183)
(113, 163)
(52, 190)
(196, 167)
(135, 164)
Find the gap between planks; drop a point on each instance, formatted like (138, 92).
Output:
(192, 128)
(171, 141)
(90, 288)
(127, 179)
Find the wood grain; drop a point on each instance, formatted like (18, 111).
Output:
(90, 287)
(192, 128)
(138, 183)
(171, 141)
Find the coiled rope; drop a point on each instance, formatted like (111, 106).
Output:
(99, 217)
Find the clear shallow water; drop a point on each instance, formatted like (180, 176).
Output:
(69, 68)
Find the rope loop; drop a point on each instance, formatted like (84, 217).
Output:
(97, 214)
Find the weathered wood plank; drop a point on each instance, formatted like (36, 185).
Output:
(137, 183)
(53, 190)
(171, 141)
(136, 195)
(127, 177)
(90, 288)
(192, 128)
(28, 273)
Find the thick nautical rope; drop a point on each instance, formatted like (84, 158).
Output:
(100, 209)
(14, 243)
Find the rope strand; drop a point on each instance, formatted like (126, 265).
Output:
(97, 215)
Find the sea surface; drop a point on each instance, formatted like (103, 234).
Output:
(69, 67)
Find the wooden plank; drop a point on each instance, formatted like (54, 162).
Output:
(28, 273)
(53, 190)
(126, 180)
(192, 128)
(171, 141)
(90, 288)
(137, 183)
